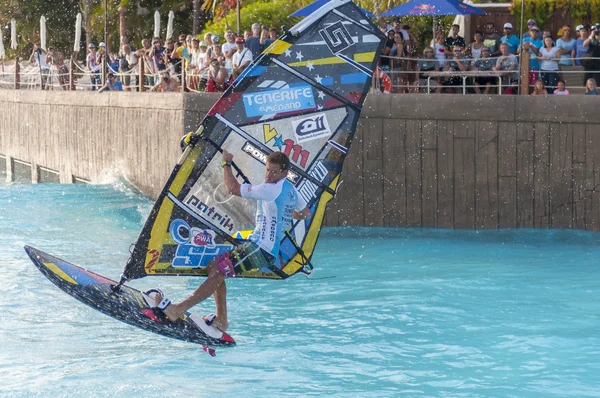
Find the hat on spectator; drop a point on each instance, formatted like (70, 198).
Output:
(215, 38)
(239, 40)
(508, 25)
(203, 44)
(534, 28)
(92, 45)
(532, 22)
(579, 27)
(102, 44)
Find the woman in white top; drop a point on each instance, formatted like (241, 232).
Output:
(549, 64)
(192, 66)
(440, 53)
(476, 47)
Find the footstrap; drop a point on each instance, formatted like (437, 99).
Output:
(209, 319)
(165, 302)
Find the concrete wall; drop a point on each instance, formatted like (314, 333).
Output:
(447, 161)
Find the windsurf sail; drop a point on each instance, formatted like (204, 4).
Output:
(302, 96)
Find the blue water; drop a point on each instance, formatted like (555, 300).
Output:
(388, 313)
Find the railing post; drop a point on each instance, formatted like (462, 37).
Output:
(104, 69)
(183, 77)
(72, 74)
(142, 76)
(17, 74)
(524, 72)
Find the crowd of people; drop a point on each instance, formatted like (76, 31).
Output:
(490, 57)
(210, 63)
(490, 61)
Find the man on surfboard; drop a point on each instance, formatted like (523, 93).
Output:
(278, 203)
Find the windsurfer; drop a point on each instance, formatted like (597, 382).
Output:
(278, 203)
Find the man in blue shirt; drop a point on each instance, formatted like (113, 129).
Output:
(510, 39)
(533, 43)
(278, 203)
(112, 84)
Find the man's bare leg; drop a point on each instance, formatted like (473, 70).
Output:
(202, 292)
(220, 322)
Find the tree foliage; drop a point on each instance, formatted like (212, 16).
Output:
(272, 13)
(581, 11)
(60, 23)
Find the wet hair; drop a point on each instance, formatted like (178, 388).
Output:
(280, 159)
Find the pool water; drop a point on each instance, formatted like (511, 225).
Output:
(387, 313)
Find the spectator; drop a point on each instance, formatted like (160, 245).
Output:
(549, 64)
(440, 52)
(92, 64)
(247, 34)
(253, 42)
(241, 59)
(125, 42)
(561, 88)
(428, 63)
(492, 39)
(509, 66)
(112, 84)
(182, 52)
(202, 65)
(510, 39)
(41, 59)
(399, 28)
(580, 51)
(385, 61)
(173, 66)
(269, 38)
(457, 63)
(218, 54)
(476, 47)
(530, 23)
(166, 83)
(101, 56)
(453, 40)
(128, 63)
(533, 43)
(484, 64)
(264, 35)
(229, 48)
(113, 63)
(208, 39)
(590, 87)
(565, 47)
(63, 71)
(157, 55)
(218, 78)
(592, 68)
(398, 65)
(193, 74)
(539, 88)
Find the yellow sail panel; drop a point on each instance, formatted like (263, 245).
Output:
(160, 234)
(310, 240)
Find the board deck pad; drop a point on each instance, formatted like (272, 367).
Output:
(127, 305)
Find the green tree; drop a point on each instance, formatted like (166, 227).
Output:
(583, 11)
(271, 13)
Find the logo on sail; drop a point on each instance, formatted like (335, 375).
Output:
(287, 99)
(337, 37)
(262, 157)
(195, 246)
(311, 128)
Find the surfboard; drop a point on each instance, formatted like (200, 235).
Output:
(127, 305)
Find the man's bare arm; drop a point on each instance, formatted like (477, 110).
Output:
(233, 186)
(302, 214)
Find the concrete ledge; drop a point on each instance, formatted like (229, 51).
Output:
(166, 101)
